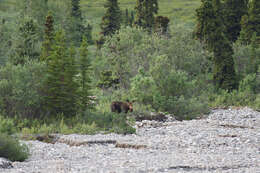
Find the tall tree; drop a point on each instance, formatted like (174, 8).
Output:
(111, 20)
(4, 40)
(251, 22)
(60, 84)
(35, 9)
(233, 12)
(210, 30)
(75, 10)
(24, 45)
(85, 73)
(145, 11)
(76, 28)
(48, 37)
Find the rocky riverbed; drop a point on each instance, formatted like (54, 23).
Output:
(227, 141)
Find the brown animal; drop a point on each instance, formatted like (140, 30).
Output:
(119, 107)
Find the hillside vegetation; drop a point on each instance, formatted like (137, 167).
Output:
(62, 63)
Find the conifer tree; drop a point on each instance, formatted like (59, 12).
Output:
(61, 86)
(251, 23)
(85, 73)
(145, 11)
(88, 34)
(24, 43)
(4, 41)
(210, 30)
(254, 60)
(76, 28)
(48, 37)
(233, 12)
(75, 23)
(35, 9)
(75, 10)
(132, 18)
(126, 19)
(111, 20)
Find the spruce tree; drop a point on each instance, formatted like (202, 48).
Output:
(35, 9)
(210, 30)
(4, 41)
(75, 10)
(88, 34)
(85, 73)
(126, 18)
(25, 42)
(132, 18)
(60, 84)
(233, 12)
(145, 11)
(75, 28)
(251, 22)
(111, 20)
(75, 23)
(48, 37)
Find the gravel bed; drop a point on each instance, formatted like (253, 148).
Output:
(227, 141)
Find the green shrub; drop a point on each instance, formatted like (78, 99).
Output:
(109, 121)
(11, 149)
(20, 90)
(132, 49)
(7, 126)
(246, 95)
(169, 90)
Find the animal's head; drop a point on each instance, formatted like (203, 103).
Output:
(130, 105)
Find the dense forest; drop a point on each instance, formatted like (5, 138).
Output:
(62, 63)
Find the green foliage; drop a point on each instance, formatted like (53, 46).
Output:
(111, 122)
(4, 40)
(87, 122)
(128, 18)
(7, 126)
(112, 18)
(161, 70)
(48, 37)
(85, 73)
(131, 49)
(11, 149)
(35, 9)
(246, 59)
(61, 86)
(246, 95)
(107, 80)
(250, 23)
(24, 46)
(145, 11)
(233, 12)
(75, 10)
(20, 89)
(210, 30)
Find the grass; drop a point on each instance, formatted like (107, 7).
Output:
(11, 149)
(179, 11)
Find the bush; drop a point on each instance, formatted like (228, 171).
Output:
(20, 89)
(246, 95)
(7, 126)
(160, 71)
(132, 49)
(109, 121)
(11, 149)
(169, 90)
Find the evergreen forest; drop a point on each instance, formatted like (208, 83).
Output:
(62, 63)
